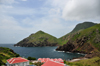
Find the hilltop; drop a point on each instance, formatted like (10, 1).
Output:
(6, 53)
(86, 41)
(39, 38)
(79, 27)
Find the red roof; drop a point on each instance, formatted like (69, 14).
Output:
(53, 63)
(17, 60)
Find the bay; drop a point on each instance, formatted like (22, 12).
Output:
(42, 52)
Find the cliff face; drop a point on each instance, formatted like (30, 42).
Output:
(79, 27)
(86, 41)
(38, 39)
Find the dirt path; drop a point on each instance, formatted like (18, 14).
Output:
(73, 60)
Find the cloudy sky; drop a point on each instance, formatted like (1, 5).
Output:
(20, 18)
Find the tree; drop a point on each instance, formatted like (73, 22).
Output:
(31, 58)
(17, 55)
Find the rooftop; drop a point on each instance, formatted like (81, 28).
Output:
(17, 60)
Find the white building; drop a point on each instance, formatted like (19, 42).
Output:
(17, 62)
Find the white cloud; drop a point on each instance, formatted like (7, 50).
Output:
(7, 1)
(11, 31)
(51, 18)
(82, 10)
(8, 9)
(24, 0)
(56, 3)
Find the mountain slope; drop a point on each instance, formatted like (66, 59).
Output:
(6, 53)
(86, 41)
(38, 39)
(79, 27)
(83, 25)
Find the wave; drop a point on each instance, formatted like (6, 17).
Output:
(16, 46)
(60, 51)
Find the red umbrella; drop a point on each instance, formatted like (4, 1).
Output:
(55, 59)
(60, 60)
(40, 59)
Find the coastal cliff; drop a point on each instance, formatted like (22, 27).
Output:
(6, 53)
(86, 41)
(40, 38)
(79, 27)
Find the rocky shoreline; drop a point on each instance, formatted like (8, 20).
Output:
(35, 45)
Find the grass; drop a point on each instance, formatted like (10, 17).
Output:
(80, 27)
(91, 33)
(87, 62)
(6, 53)
(40, 36)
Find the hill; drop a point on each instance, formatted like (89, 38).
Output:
(6, 53)
(85, 41)
(79, 27)
(95, 61)
(40, 38)
(82, 26)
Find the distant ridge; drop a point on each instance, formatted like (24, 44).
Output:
(83, 25)
(79, 27)
(86, 41)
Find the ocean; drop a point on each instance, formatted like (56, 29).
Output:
(42, 52)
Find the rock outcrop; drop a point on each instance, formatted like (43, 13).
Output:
(86, 41)
(79, 27)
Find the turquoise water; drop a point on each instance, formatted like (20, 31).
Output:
(42, 52)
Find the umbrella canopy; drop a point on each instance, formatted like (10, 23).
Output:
(40, 59)
(60, 60)
(48, 59)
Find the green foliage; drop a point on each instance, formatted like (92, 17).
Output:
(30, 63)
(87, 62)
(39, 37)
(6, 53)
(84, 25)
(93, 33)
(64, 61)
(38, 64)
(17, 55)
(31, 58)
(80, 27)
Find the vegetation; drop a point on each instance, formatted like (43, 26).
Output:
(86, 41)
(79, 27)
(31, 58)
(40, 38)
(86, 62)
(38, 64)
(6, 53)
(92, 35)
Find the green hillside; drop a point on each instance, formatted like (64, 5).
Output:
(40, 38)
(83, 25)
(92, 35)
(86, 41)
(86, 62)
(79, 27)
(6, 53)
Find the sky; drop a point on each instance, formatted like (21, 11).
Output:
(20, 18)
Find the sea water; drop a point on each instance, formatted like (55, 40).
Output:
(42, 52)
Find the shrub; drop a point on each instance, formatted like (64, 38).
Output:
(17, 55)
(31, 58)
(38, 64)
